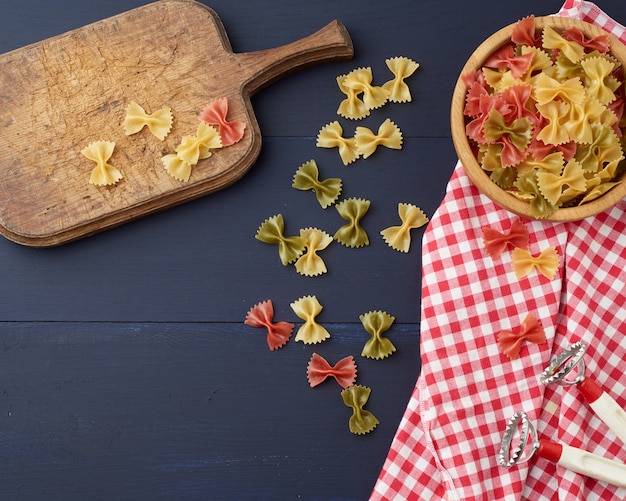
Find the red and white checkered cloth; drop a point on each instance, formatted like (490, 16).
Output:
(447, 442)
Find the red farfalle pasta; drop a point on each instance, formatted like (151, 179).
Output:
(507, 59)
(510, 341)
(215, 114)
(343, 371)
(496, 243)
(262, 315)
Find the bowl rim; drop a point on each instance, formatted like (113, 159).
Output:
(462, 145)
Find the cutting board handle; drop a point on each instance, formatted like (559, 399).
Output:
(261, 68)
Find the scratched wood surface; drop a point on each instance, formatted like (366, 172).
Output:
(126, 371)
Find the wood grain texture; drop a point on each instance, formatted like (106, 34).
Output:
(66, 92)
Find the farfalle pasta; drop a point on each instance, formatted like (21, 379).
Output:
(496, 242)
(272, 231)
(546, 263)
(306, 178)
(215, 113)
(362, 421)
(376, 323)
(307, 308)
(318, 370)
(103, 174)
(510, 340)
(402, 68)
(159, 123)
(310, 263)
(262, 315)
(331, 136)
(352, 234)
(388, 135)
(399, 237)
(543, 93)
(359, 82)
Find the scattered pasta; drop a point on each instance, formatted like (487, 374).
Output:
(376, 323)
(344, 371)
(496, 243)
(402, 68)
(307, 178)
(215, 113)
(510, 341)
(307, 308)
(388, 135)
(545, 117)
(352, 234)
(310, 263)
(331, 136)
(272, 231)
(103, 174)
(546, 263)
(159, 123)
(262, 315)
(362, 421)
(399, 237)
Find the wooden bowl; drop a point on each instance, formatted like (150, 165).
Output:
(462, 143)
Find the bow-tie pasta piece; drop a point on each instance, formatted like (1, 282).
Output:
(307, 178)
(159, 123)
(103, 174)
(546, 263)
(402, 68)
(331, 136)
(362, 421)
(510, 341)
(307, 308)
(262, 315)
(496, 243)
(552, 185)
(399, 237)
(552, 40)
(310, 263)
(272, 231)
(357, 82)
(215, 114)
(344, 371)
(388, 135)
(352, 234)
(352, 107)
(376, 323)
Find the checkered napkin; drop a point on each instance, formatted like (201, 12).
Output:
(447, 442)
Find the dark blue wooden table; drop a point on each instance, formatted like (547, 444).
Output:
(126, 371)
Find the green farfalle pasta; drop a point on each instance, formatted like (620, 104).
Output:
(375, 323)
(399, 237)
(307, 308)
(272, 230)
(352, 234)
(362, 421)
(307, 178)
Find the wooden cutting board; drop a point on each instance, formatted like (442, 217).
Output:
(61, 94)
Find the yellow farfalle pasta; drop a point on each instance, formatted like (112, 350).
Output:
(307, 308)
(556, 113)
(362, 421)
(548, 89)
(376, 323)
(307, 178)
(103, 174)
(196, 147)
(599, 81)
(331, 136)
(402, 68)
(552, 185)
(360, 82)
(352, 234)
(553, 40)
(272, 231)
(159, 123)
(546, 263)
(388, 135)
(352, 107)
(399, 237)
(310, 263)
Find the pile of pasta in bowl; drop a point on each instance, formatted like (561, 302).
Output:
(538, 118)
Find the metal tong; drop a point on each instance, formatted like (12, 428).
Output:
(519, 451)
